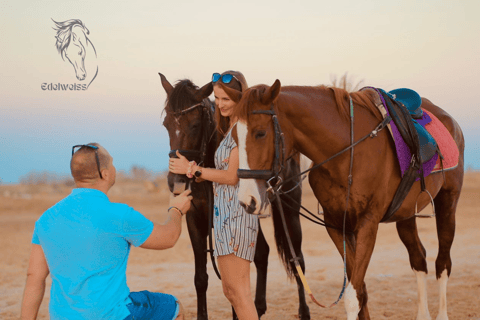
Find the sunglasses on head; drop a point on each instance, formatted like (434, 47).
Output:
(79, 146)
(226, 78)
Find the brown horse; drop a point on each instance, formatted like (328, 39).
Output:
(315, 121)
(191, 127)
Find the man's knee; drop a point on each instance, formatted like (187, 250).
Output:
(181, 311)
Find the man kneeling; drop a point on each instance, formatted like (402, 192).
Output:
(84, 242)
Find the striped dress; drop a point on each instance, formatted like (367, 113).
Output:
(235, 229)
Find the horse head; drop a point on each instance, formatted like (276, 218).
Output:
(256, 135)
(72, 43)
(188, 120)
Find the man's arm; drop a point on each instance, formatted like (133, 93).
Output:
(35, 285)
(165, 236)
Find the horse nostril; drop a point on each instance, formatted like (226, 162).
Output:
(243, 205)
(251, 208)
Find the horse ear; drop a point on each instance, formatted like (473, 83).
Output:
(204, 92)
(235, 95)
(271, 93)
(166, 85)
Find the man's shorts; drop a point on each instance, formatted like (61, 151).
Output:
(152, 306)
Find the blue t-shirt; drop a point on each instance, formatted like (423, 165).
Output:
(86, 241)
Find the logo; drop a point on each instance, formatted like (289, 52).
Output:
(72, 43)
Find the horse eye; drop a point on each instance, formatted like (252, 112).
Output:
(260, 134)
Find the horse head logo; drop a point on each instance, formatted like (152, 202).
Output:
(73, 43)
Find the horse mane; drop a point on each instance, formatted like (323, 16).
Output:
(360, 98)
(341, 96)
(64, 33)
(241, 112)
(182, 95)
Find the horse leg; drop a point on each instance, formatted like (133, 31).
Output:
(337, 237)
(407, 230)
(445, 206)
(234, 314)
(199, 245)
(292, 217)
(261, 263)
(356, 294)
(295, 232)
(295, 229)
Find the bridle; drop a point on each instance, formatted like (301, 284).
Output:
(278, 166)
(197, 155)
(200, 156)
(274, 174)
(275, 183)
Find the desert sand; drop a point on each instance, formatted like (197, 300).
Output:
(390, 281)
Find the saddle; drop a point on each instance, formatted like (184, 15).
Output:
(404, 107)
(410, 99)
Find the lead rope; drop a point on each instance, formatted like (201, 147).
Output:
(295, 259)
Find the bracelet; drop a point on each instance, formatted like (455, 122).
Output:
(190, 167)
(178, 210)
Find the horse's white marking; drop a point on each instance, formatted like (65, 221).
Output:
(305, 163)
(177, 132)
(422, 313)
(442, 286)
(247, 188)
(352, 305)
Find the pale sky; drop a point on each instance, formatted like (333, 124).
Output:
(430, 46)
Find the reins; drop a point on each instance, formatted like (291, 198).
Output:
(274, 174)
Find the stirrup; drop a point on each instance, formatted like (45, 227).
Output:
(418, 215)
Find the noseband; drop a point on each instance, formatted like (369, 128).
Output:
(278, 161)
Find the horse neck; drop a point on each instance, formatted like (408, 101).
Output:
(314, 124)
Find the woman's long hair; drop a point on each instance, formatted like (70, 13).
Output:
(223, 123)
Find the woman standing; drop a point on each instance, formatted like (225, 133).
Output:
(235, 230)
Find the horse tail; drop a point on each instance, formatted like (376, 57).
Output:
(291, 206)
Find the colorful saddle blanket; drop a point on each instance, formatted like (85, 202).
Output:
(443, 138)
(436, 131)
(448, 147)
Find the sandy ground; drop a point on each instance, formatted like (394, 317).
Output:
(390, 281)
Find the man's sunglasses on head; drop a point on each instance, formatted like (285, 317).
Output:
(79, 146)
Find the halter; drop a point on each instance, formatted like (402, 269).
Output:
(197, 155)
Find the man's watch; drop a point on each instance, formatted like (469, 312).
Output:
(198, 173)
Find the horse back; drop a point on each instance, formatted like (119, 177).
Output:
(449, 122)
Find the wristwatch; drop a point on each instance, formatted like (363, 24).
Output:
(198, 173)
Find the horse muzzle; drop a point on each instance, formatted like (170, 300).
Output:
(251, 207)
(177, 183)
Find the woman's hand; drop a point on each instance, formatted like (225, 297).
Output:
(178, 165)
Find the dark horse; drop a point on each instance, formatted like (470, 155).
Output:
(191, 128)
(316, 122)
